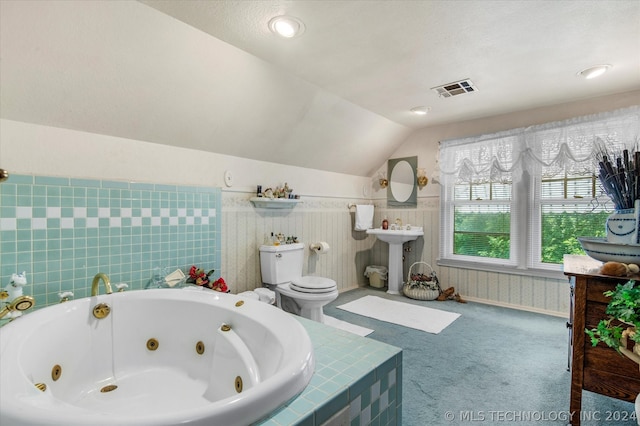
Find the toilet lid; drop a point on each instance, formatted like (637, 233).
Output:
(312, 284)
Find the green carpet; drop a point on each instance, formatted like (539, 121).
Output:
(491, 366)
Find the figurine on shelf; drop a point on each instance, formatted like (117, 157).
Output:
(286, 191)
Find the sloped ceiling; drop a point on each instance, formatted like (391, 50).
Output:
(209, 75)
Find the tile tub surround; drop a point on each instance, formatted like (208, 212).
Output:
(362, 374)
(63, 231)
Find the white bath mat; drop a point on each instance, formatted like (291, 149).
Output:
(406, 314)
(347, 326)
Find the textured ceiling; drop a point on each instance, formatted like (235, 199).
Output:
(208, 75)
(385, 56)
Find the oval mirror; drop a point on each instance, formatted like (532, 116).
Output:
(402, 181)
(402, 189)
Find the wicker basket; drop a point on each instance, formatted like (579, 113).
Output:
(412, 288)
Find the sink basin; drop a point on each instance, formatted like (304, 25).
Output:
(395, 239)
(392, 236)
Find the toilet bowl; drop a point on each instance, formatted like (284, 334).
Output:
(281, 268)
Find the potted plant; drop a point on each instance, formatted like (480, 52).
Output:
(620, 330)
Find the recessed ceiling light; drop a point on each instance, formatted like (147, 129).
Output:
(420, 110)
(286, 26)
(594, 71)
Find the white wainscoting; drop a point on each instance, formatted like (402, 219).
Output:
(315, 219)
(329, 219)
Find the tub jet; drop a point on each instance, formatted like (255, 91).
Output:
(56, 372)
(152, 344)
(108, 388)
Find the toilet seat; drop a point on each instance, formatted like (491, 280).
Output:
(315, 285)
(326, 297)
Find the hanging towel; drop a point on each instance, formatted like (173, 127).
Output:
(364, 217)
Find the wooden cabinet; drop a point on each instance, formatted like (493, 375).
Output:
(598, 369)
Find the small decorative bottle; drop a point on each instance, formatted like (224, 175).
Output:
(385, 223)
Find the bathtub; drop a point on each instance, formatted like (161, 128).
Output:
(160, 357)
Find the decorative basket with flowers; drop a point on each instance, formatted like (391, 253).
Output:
(422, 285)
(197, 276)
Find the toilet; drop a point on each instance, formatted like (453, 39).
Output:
(281, 268)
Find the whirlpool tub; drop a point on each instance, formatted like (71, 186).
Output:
(159, 357)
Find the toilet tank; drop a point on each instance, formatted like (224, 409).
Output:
(281, 264)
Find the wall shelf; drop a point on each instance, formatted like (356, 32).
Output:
(274, 203)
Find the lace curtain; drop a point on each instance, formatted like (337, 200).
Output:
(570, 147)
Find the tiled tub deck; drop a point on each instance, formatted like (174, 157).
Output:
(357, 381)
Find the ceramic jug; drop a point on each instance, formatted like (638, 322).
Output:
(622, 226)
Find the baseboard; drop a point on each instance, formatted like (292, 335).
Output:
(489, 302)
(353, 287)
(518, 307)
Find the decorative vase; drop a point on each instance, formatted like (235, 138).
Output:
(622, 226)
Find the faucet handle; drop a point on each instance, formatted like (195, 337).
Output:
(65, 296)
(122, 286)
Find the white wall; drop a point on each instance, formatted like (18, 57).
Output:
(125, 69)
(34, 149)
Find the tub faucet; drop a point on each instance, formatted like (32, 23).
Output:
(19, 304)
(96, 282)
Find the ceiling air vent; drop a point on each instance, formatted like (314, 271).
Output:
(456, 88)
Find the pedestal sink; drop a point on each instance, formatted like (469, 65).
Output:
(395, 239)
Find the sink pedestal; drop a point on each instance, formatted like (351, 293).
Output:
(395, 239)
(395, 268)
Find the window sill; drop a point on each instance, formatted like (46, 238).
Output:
(503, 269)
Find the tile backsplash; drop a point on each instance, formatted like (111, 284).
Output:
(63, 231)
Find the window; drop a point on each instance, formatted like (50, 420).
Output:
(517, 199)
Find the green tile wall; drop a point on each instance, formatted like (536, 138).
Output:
(62, 231)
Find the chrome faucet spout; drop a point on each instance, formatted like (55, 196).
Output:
(96, 282)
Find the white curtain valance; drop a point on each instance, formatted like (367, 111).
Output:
(552, 149)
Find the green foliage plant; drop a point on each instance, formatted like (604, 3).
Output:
(624, 312)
